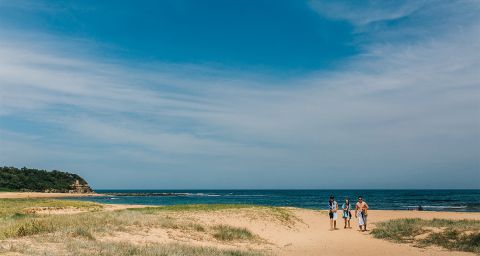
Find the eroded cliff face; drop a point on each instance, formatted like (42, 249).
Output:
(80, 188)
(76, 187)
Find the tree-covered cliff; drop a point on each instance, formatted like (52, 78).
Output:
(26, 179)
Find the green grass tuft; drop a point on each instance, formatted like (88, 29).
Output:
(15, 207)
(28, 227)
(82, 232)
(401, 230)
(460, 235)
(454, 240)
(228, 233)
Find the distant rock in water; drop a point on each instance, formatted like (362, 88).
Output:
(34, 180)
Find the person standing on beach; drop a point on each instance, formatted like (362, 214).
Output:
(332, 212)
(361, 212)
(347, 215)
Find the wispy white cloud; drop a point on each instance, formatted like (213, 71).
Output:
(401, 22)
(390, 112)
(362, 13)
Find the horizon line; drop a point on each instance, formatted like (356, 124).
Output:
(291, 189)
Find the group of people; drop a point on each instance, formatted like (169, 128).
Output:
(361, 213)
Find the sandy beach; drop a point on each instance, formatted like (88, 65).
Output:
(314, 237)
(43, 195)
(310, 235)
(305, 232)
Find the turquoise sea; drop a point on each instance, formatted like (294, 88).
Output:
(429, 200)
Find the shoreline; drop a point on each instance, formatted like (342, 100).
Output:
(19, 195)
(26, 195)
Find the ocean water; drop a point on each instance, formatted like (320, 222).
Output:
(430, 200)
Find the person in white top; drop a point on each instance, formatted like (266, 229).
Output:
(332, 212)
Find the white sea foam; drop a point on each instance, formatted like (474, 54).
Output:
(438, 207)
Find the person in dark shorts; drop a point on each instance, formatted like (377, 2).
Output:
(332, 212)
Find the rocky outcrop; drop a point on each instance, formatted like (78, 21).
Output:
(77, 187)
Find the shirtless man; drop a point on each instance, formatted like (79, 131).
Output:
(361, 209)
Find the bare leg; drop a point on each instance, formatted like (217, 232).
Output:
(331, 224)
(335, 224)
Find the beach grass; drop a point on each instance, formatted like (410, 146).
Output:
(83, 230)
(229, 233)
(460, 235)
(281, 214)
(89, 223)
(80, 247)
(14, 208)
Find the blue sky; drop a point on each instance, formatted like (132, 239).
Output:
(243, 94)
(227, 33)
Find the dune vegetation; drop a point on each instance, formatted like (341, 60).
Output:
(227, 233)
(280, 214)
(86, 233)
(460, 235)
(83, 247)
(15, 208)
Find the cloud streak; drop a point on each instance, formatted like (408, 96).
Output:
(367, 12)
(393, 112)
